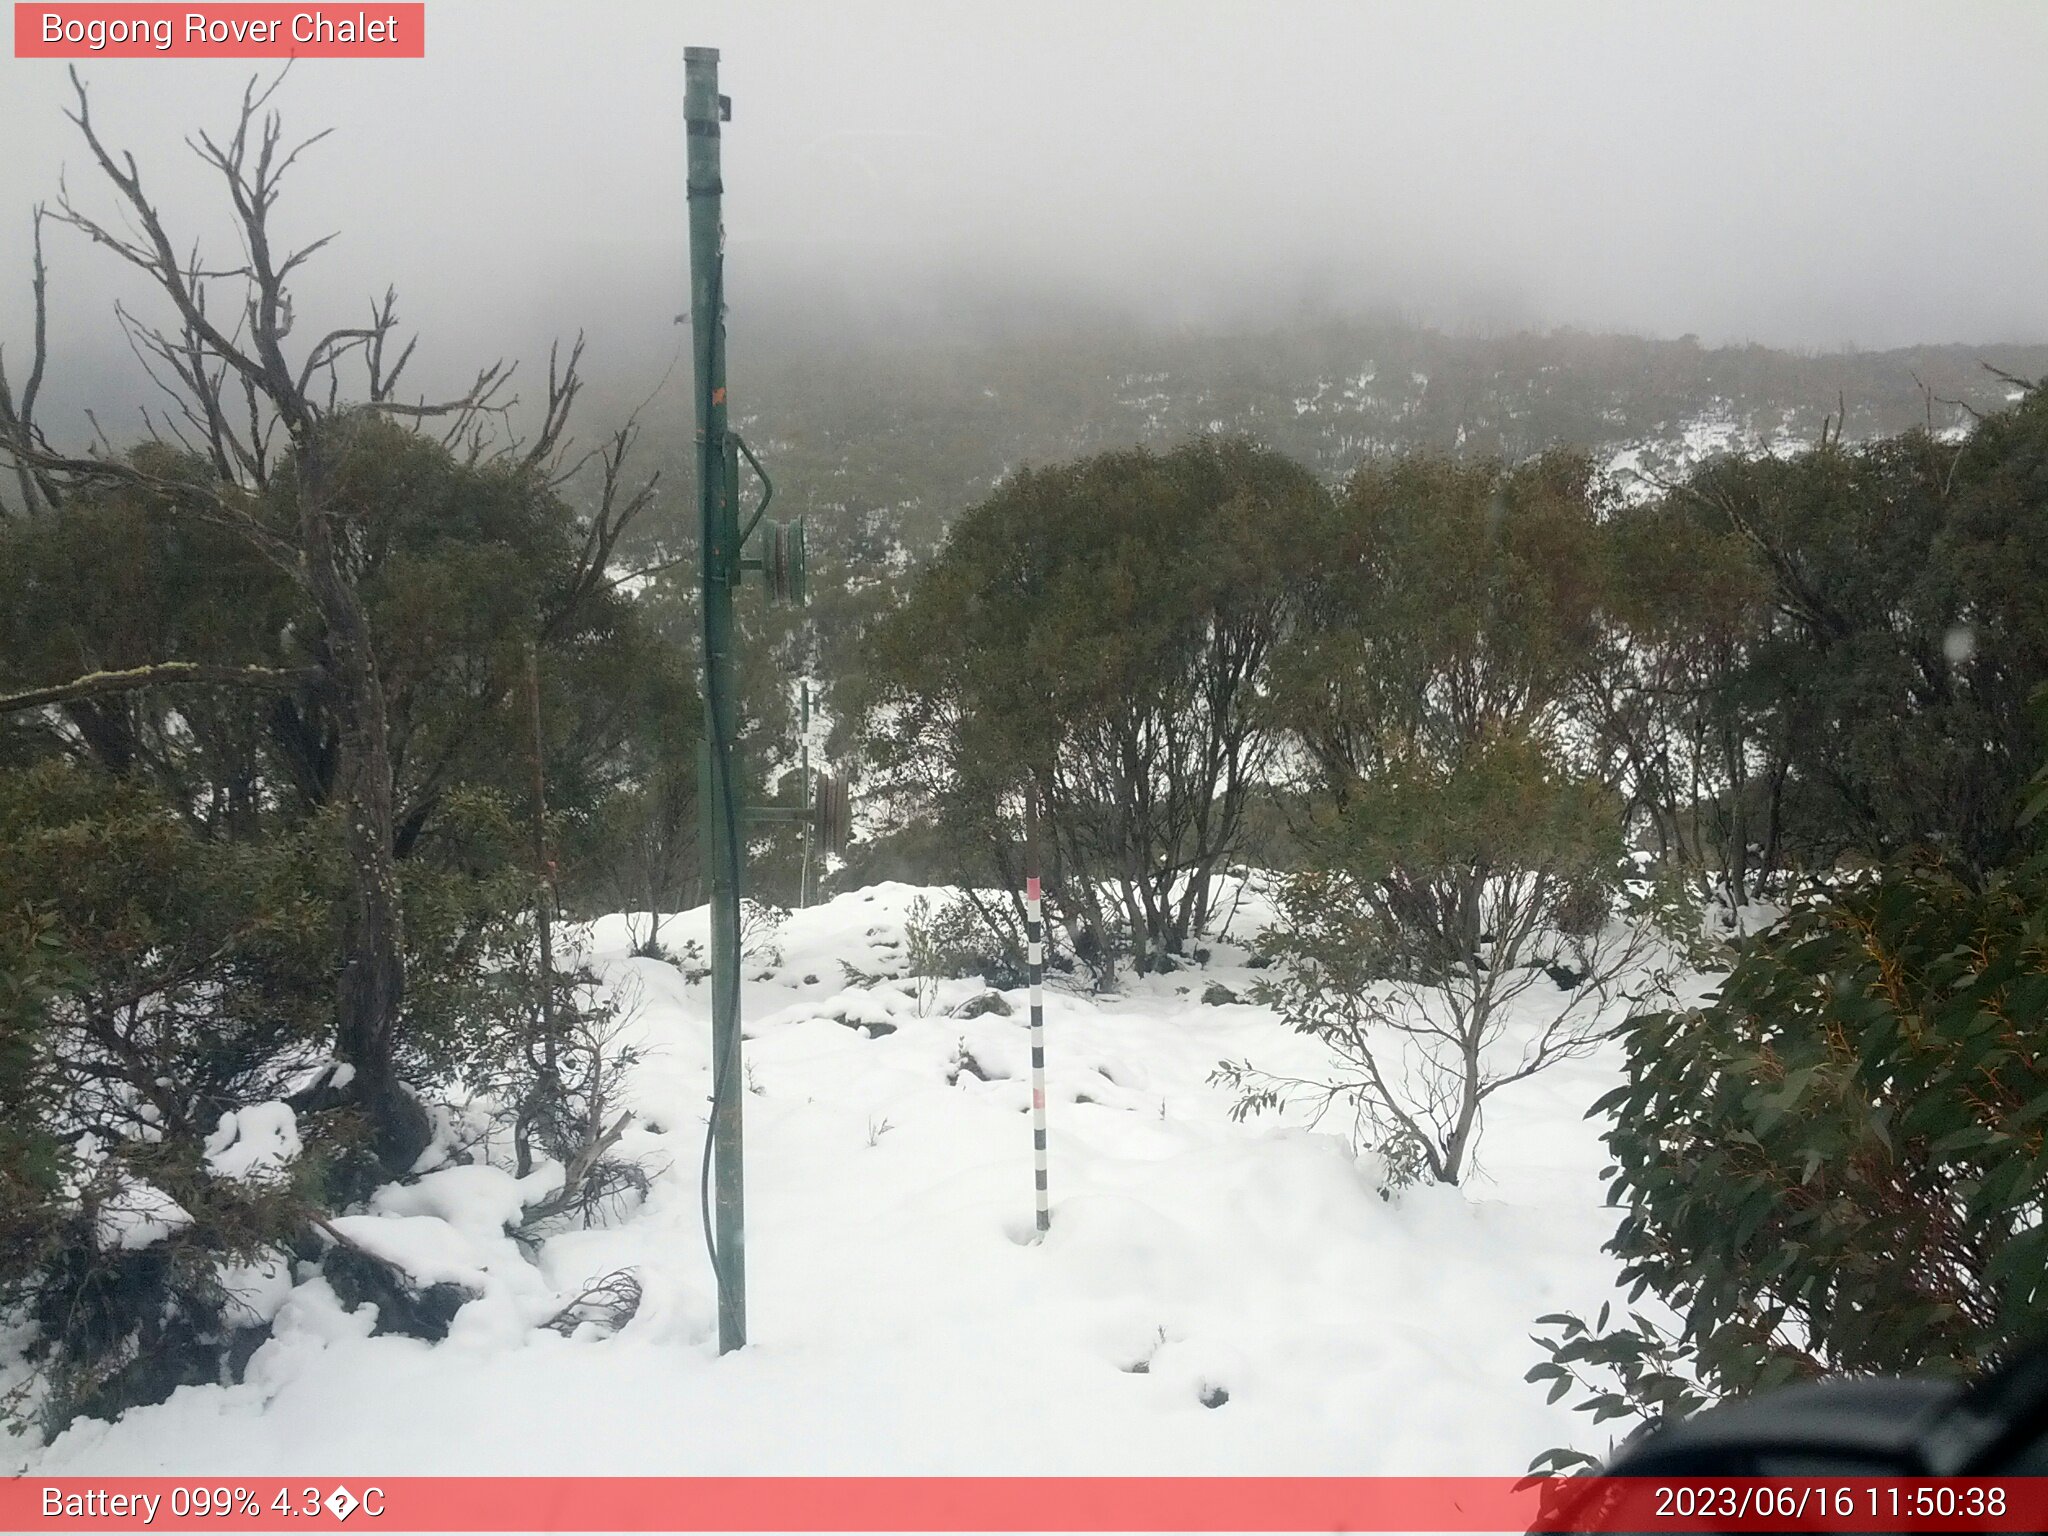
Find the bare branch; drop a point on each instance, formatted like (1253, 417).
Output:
(481, 399)
(260, 433)
(612, 518)
(2009, 378)
(383, 321)
(563, 387)
(19, 422)
(198, 393)
(158, 259)
(39, 356)
(304, 252)
(331, 349)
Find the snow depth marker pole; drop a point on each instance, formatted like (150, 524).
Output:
(1034, 934)
(803, 877)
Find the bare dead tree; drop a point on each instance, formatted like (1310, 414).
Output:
(240, 400)
(18, 418)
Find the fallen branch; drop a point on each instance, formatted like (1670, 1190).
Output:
(570, 1195)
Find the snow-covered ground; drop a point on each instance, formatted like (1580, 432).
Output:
(1639, 470)
(901, 1320)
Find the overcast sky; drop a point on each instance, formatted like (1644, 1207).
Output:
(1805, 174)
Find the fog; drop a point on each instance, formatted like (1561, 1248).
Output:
(1811, 176)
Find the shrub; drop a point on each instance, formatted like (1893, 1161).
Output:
(1101, 630)
(1453, 943)
(154, 979)
(1837, 1164)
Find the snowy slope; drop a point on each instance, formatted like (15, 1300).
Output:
(900, 1319)
(1640, 469)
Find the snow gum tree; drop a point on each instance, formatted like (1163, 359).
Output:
(1672, 706)
(1906, 627)
(278, 688)
(1448, 931)
(1102, 629)
(261, 453)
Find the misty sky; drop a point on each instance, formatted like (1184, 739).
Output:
(1809, 174)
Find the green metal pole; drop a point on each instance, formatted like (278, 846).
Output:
(703, 110)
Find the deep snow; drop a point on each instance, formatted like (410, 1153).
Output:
(901, 1321)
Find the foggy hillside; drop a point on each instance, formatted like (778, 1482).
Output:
(883, 426)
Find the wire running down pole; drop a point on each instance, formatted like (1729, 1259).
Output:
(1034, 935)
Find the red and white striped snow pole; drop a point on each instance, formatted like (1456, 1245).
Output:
(1034, 935)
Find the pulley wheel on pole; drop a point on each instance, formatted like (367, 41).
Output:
(832, 813)
(782, 561)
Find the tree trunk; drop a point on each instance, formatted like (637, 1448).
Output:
(1134, 919)
(1452, 1168)
(373, 934)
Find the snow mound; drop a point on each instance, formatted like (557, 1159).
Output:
(135, 1214)
(254, 1144)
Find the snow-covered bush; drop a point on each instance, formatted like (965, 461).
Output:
(147, 1264)
(170, 1113)
(957, 939)
(556, 1090)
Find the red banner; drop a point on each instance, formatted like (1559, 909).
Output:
(1022, 1504)
(359, 31)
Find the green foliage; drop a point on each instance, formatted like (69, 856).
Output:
(957, 939)
(1104, 628)
(150, 981)
(1837, 1165)
(634, 848)
(1640, 1370)
(1907, 628)
(153, 979)
(462, 568)
(1491, 808)
(1431, 1009)
(2034, 802)
(1673, 707)
(120, 580)
(1456, 865)
(1452, 598)
(176, 885)
(214, 956)
(36, 971)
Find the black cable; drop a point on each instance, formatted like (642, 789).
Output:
(721, 1072)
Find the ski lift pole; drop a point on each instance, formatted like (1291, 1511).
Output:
(719, 543)
(1034, 936)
